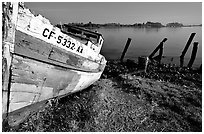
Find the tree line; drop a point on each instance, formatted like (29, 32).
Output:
(142, 25)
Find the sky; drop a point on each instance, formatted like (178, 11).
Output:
(119, 12)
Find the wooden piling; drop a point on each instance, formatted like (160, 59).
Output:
(160, 48)
(160, 53)
(125, 49)
(186, 48)
(193, 55)
(143, 63)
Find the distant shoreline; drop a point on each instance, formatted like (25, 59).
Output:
(136, 25)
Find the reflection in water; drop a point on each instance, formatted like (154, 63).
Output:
(148, 30)
(145, 40)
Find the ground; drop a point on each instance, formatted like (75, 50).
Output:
(165, 98)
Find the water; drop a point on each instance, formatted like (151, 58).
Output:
(145, 40)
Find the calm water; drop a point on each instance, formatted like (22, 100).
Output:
(145, 40)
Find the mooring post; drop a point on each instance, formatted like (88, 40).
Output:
(193, 55)
(125, 49)
(160, 46)
(143, 63)
(186, 48)
(160, 53)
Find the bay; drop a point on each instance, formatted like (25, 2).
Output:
(145, 40)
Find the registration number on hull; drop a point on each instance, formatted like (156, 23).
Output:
(60, 40)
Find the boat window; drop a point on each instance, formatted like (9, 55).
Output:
(74, 31)
(83, 34)
(92, 37)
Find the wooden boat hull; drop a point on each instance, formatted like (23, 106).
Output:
(38, 66)
(33, 81)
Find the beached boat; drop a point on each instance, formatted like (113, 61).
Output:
(41, 61)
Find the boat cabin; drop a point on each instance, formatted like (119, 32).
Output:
(91, 39)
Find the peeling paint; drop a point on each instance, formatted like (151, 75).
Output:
(39, 68)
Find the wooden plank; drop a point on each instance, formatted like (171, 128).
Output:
(186, 48)
(73, 60)
(34, 81)
(22, 99)
(10, 11)
(193, 54)
(125, 49)
(157, 48)
(37, 71)
(6, 62)
(31, 45)
(25, 88)
(40, 50)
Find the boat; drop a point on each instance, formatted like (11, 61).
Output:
(41, 62)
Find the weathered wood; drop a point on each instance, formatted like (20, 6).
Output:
(5, 20)
(186, 48)
(193, 55)
(6, 63)
(38, 64)
(10, 22)
(10, 11)
(125, 49)
(160, 53)
(158, 58)
(70, 59)
(160, 46)
(32, 72)
(26, 45)
(143, 63)
(33, 81)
